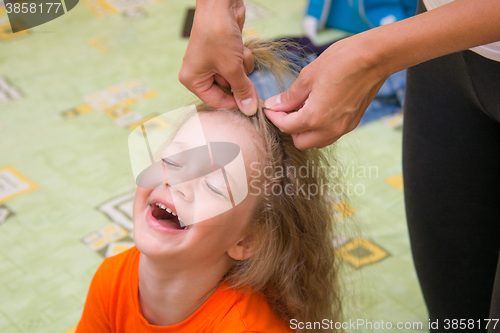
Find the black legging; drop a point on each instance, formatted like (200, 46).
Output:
(451, 169)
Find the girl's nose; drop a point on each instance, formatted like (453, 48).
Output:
(183, 191)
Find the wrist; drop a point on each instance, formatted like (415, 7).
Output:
(211, 16)
(370, 56)
(221, 4)
(383, 51)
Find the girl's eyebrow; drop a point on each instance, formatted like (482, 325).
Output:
(177, 145)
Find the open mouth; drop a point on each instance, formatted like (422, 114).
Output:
(166, 216)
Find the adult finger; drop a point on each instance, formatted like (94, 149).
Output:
(326, 143)
(248, 61)
(293, 122)
(217, 98)
(222, 81)
(292, 98)
(310, 139)
(243, 91)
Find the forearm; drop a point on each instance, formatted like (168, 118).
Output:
(214, 2)
(213, 18)
(214, 5)
(218, 8)
(456, 26)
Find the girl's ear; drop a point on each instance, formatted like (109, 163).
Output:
(243, 249)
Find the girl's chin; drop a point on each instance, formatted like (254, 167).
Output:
(153, 247)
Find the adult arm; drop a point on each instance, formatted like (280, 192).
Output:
(334, 91)
(215, 56)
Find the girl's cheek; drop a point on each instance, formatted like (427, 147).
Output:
(141, 197)
(143, 191)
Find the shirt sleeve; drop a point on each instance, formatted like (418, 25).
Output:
(95, 316)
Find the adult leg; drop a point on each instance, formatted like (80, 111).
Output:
(451, 169)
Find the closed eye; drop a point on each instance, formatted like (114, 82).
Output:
(215, 190)
(170, 163)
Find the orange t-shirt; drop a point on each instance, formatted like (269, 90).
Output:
(112, 305)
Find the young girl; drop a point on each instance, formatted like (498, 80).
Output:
(260, 264)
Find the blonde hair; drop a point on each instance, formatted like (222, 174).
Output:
(295, 267)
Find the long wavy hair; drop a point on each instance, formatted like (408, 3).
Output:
(294, 267)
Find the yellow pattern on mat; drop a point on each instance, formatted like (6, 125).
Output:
(360, 252)
(13, 183)
(71, 330)
(343, 209)
(396, 182)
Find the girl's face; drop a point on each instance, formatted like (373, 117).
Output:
(210, 236)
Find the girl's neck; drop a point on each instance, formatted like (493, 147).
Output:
(168, 296)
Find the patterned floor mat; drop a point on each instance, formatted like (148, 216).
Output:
(71, 89)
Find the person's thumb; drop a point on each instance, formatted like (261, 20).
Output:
(243, 89)
(291, 99)
(244, 94)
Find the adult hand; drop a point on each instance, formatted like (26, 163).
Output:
(332, 94)
(342, 82)
(215, 57)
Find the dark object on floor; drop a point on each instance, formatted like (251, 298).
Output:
(188, 23)
(307, 46)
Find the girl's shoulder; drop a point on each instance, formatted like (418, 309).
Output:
(128, 257)
(113, 268)
(251, 313)
(111, 293)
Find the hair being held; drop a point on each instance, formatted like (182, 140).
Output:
(294, 267)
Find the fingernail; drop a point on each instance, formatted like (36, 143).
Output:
(248, 106)
(273, 102)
